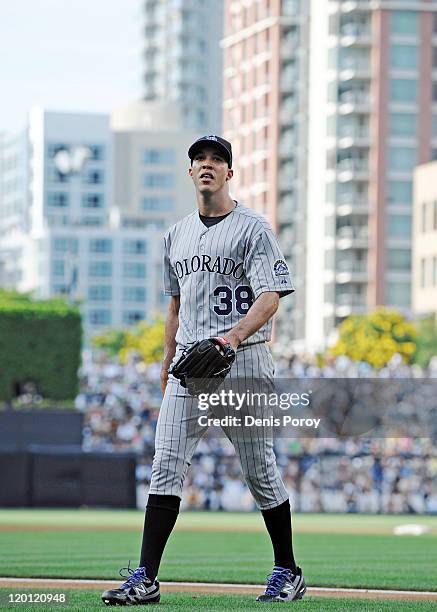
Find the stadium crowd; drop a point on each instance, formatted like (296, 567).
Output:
(344, 473)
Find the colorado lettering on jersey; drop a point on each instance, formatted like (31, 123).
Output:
(204, 263)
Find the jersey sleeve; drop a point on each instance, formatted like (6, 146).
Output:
(171, 283)
(265, 266)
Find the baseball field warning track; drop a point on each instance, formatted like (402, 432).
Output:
(218, 588)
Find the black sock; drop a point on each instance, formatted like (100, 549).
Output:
(278, 523)
(161, 514)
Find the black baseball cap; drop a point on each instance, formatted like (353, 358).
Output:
(221, 144)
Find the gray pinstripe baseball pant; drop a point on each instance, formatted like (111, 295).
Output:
(178, 416)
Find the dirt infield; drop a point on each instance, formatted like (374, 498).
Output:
(217, 588)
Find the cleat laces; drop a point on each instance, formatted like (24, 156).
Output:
(275, 582)
(134, 577)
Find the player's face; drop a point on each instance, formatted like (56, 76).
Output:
(209, 170)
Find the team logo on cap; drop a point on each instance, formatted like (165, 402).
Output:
(212, 137)
(280, 267)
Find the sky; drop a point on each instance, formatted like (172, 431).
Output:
(67, 55)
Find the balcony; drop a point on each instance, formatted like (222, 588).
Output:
(288, 112)
(354, 68)
(346, 303)
(350, 271)
(354, 101)
(287, 147)
(353, 136)
(286, 211)
(289, 81)
(286, 181)
(350, 237)
(352, 6)
(351, 169)
(289, 46)
(355, 34)
(352, 204)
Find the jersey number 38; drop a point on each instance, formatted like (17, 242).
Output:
(241, 296)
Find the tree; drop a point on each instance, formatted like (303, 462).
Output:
(146, 339)
(111, 341)
(426, 342)
(376, 337)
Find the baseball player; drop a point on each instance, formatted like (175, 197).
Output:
(224, 273)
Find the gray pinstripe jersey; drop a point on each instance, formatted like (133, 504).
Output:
(219, 271)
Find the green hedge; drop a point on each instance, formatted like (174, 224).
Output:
(40, 341)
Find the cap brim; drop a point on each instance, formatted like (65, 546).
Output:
(200, 144)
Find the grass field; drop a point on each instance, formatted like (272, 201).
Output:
(80, 601)
(334, 550)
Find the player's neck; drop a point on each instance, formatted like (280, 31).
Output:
(216, 205)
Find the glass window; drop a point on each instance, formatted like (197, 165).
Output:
(434, 57)
(403, 22)
(58, 267)
(403, 90)
(55, 147)
(93, 177)
(65, 245)
(58, 199)
(434, 92)
(92, 200)
(134, 294)
(434, 126)
(158, 204)
(54, 176)
(60, 289)
(134, 270)
(159, 156)
(403, 57)
(163, 181)
(399, 226)
(402, 159)
(100, 293)
(400, 192)
(100, 245)
(97, 152)
(423, 272)
(135, 247)
(434, 271)
(399, 259)
(100, 317)
(130, 317)
(100, 268)
(403, 124)
(399, 294)
(424, 210)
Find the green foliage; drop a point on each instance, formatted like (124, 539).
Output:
(40, 342)
(111, 341)
(376, 337)
(426, 341)
(144, 339)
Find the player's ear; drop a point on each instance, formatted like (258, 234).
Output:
(190, 171)
(230, 174)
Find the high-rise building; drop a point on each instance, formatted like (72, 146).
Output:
(182, 58)
(424, 264)
(265, 118)
(372, 120)
(330, 105)
(84, 205)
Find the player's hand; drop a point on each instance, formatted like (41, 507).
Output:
(164, 379)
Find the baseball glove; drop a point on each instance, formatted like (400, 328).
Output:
(203, 367)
